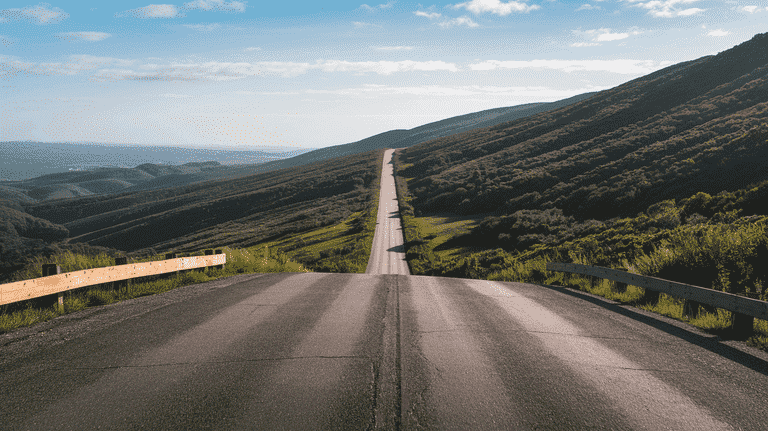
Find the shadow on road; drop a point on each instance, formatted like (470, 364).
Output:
(397, 249)
(711, 343)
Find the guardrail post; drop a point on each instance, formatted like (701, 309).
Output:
(53, 269)
(742, 325)
(207, 253)
(122, 283)
(620, 287)
(171, 256)
(690, 308)
(650, 297)
(222, 265)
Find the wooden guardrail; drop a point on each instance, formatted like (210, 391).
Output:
(54, 282)
(744, 309)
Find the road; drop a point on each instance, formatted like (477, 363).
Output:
(375, 351)
(388, 251)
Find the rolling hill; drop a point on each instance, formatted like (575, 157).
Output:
(235, 212)
(694, 126)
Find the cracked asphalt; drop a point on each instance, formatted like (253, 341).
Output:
(380, 350)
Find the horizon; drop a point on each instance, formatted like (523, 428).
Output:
(242, 76)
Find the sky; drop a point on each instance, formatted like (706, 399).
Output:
(260, 74)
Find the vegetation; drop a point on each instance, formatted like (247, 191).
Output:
(239, 213)
(26, 313)
(343, 247)
(695, 126)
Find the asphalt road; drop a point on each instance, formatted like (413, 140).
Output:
(387, 251)
(375, 351)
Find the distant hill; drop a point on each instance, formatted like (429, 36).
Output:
(25, 160)
(407, 138)
(697, 126)
(97, 181)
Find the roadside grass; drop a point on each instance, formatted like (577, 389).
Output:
(718, 323)
(436, 230)
(341, 248)
(344, 247)
(257, 259)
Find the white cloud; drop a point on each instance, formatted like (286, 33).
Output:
(583, 44)
(462, 20)
(114, 69)
(607, 37)
(439, 90)
(218, 5)
(430, 15)
(668, 8)
(750, 9)
(381, 6)
(587, 6)
(152, 11)
(253, 48)
(718, 33)
(76, 64)
(41, 14)
(92, 36)
(393, 48)
(495, 6)
(203, 27)
(627, 67)
(604, 35)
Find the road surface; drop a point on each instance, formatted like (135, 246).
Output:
(388, 251)
(375, 351)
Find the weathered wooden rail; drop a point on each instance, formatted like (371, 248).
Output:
(54, 282)
(744, 309)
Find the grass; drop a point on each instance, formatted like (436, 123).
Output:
(438, 229)
(718, 323)
(256, 259)
(344, 247)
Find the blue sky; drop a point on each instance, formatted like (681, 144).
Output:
(248, 74)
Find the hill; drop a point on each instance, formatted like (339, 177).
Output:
(694, 126)
(407, 138)
(236, 212)
(25, 160)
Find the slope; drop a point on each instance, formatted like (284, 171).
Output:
(694, 126)
(239, 212)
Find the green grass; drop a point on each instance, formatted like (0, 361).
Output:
(438, 229)
(533, 271)
(258, 259)
(343, 247)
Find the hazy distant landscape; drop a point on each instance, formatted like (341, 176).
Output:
(26, 160)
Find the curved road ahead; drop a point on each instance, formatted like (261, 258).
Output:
(375, 351)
